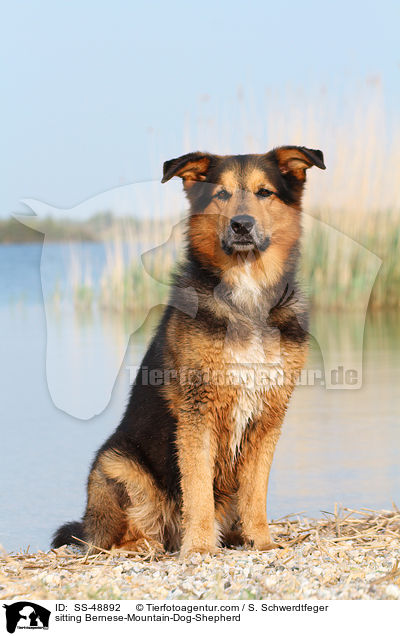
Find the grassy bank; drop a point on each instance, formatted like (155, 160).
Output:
(344, 555)
(340, 258)
(96, 228)
(358, 195)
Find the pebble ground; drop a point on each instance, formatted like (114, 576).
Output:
(345, 555)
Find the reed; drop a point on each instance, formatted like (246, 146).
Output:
(337, 273)
(358, 195)
(334, 273)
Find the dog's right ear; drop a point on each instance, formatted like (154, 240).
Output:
(191, 167)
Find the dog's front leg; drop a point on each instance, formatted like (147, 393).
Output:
(196, 456)
(253, 474)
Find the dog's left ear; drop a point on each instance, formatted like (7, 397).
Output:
(190, 167)
(297, 159)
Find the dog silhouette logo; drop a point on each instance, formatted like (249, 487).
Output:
(69, 372)
(26, 615)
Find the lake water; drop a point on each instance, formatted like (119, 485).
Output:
(65, 380)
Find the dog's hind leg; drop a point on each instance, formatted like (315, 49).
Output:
(104, 522)
(135, 541)
(151, 518)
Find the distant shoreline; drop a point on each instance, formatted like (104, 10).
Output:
(349, 269)
(94, 229)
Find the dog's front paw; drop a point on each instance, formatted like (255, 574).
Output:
(265, 545)
(260, 539)
(197, 545)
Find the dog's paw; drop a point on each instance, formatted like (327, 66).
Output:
(232, 539)
(260, 539)
(197, 547)
(142, 546)
(264, 546)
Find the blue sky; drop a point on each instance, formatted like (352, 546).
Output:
(95, 94)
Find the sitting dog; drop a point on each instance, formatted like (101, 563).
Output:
(187, 468)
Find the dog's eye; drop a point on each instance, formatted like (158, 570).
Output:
(223, 195)
(264, 193)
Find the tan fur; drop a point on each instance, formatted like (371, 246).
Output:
(194, 171)
(279, 220)
(150, 514)
(229, 421)
(229, 180)
(112, 524)
(291, 160)
(213, 425)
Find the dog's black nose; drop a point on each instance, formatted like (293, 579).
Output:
(242, 224)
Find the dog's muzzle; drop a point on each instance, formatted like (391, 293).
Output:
(243, 235)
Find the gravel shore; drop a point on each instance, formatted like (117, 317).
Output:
(345, 555)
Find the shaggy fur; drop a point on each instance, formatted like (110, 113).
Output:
(187, 468)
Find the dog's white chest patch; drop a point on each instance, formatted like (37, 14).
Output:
(252, 373)
(246, 290)
(247, 406)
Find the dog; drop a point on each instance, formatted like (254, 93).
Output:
(187, 468)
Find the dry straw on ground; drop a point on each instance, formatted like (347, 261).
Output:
(347, 554)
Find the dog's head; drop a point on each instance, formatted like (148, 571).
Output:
(245, 204)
